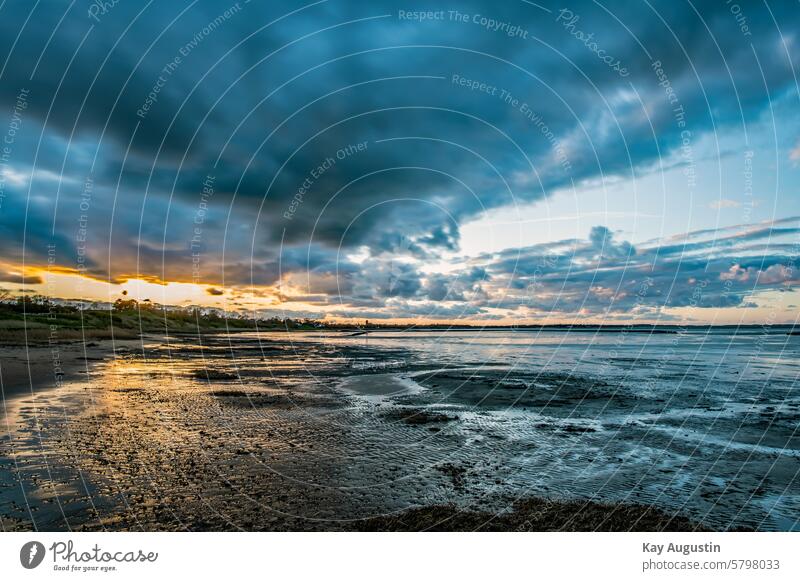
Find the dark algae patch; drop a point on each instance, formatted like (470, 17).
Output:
(418, 416)
(534, 515)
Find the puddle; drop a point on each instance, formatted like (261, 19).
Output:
(377, 387)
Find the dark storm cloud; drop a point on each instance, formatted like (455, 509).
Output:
(34, 215)
(342, 125)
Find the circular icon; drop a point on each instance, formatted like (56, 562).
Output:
(31, 554)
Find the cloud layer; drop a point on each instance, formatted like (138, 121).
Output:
(336, 148)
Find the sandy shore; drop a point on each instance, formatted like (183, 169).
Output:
(246, 434)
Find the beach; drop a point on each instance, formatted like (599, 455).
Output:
(403, 430)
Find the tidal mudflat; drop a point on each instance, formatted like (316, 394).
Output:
(499, 430)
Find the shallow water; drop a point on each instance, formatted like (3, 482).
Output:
(304, 431)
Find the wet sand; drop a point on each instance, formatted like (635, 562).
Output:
(247, 434)
(37, 367)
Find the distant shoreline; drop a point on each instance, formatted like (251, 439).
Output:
(585, 329)
(36, 335)
(42, 320)
(651, 329)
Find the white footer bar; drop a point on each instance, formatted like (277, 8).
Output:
(402, 556)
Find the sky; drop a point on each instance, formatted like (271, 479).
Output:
(473, 161)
